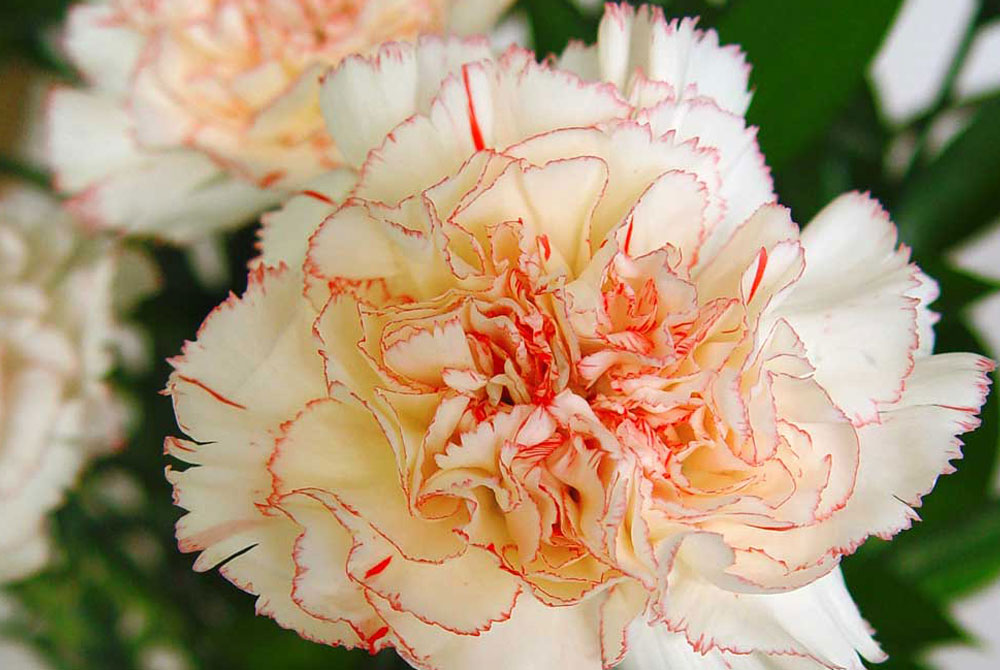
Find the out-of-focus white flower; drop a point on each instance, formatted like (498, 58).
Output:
(555, 377)
(14, 653)
(19, 656)
(56, 335)
(198, 114)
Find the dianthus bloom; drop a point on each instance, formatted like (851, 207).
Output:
(198, 114)
(56, 326)
(555, 377)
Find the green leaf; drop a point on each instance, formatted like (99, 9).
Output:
(956, 195)
(20, 170)
(906, 621)
(555, 22)
(958, 288)
(808, 59)
(958, 559)
(22, 30)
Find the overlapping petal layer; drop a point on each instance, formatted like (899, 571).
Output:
(556, 377)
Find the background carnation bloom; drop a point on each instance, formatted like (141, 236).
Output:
(56, 328)
(555, 377)
(201, 113)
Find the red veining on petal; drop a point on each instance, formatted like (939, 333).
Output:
(378, 568)
(477, 135)
(628, 236)
(759, 275)
(215, 394)
(271, 178)
(375, 637)
(318, 196)
(546, 246)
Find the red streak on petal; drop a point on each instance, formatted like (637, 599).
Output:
(318, 196)
(546, 247)
(761, 264)
(492, 548)
(970, 410)
(378, 567)
(477, 135)
(215, 394)
(628, 235)
(271, 178)
(375, 637)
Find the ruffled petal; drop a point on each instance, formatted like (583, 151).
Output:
(364, 98)
(536, 637)
(252, 365)
(689, 61)
(819, 620)
(487, 105)
(854, 306)
(88, 138)
(535, 196)
(474, 17)
(745, 179)
(175, 195)
(655, 648)
(901, 457)
(268, 569)
(464, 595)
(723, 274)
(322, 586)
(104, 49)
(635, 160)
(338, 447)
(284, 234)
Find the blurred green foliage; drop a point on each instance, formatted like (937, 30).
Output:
(121, 589)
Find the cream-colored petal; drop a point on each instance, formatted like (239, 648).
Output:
(672, 211)
(635, 160)
(746, 183)
(488, 105)
(690, 61)
(105, 50)
(536, 197)
(475, 17)
(364, 98)
(901, 457)
(268, 570)
(284, 234)
(338, 447)
(854, 307)
(175, 195)
(88, 138)
(536, 637)
(723, 275)
(322, 586)
(251, 367)
(464, 595)
(818, 620)
(254, 365)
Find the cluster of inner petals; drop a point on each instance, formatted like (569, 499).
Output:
(561, 405)
(228, 39)
(224, 76)
(513, 417)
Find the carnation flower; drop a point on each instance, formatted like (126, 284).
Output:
(555, 377)
(56, 411)
(197, 115)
